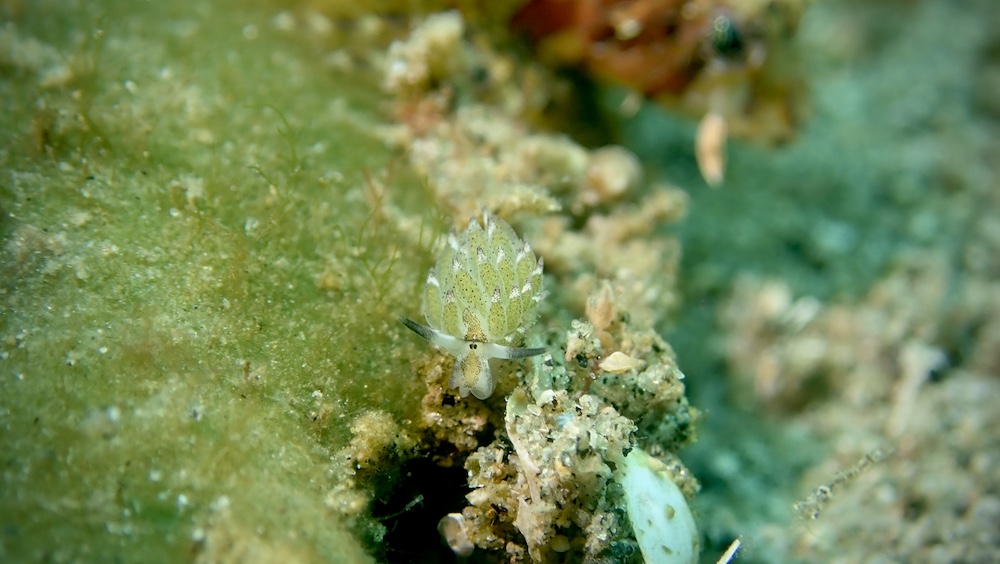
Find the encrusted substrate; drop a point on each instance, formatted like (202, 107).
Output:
(549, 492)
(543, 490)
(540, 452)
(452, 426)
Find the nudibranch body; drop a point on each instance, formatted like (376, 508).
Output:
(479, 299)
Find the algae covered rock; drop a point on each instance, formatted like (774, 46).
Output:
(195, 308)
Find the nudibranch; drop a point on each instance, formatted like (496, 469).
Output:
(479, 299)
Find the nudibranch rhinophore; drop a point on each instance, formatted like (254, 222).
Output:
(479, 299)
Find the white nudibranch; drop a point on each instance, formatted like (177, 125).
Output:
(479, 299)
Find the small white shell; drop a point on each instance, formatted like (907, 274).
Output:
(452, 528)
(619, 362)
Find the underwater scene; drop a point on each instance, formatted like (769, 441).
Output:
(422, 281)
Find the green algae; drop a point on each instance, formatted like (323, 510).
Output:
(195, 306)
